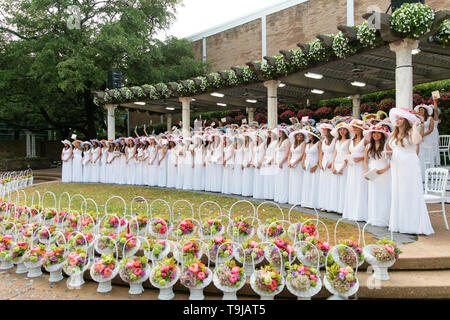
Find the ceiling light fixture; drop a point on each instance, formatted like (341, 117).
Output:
(314, 75)
(169, 108)
(251, 101)
(281, 85)
(217, 94)
(317, 91)
(221, 104)
(140, 103)
(415, 51)
(358, 84)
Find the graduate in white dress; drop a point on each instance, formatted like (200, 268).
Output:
(162, 163)
(270, 169)
(217, 163)
(281, 191)
(247, 163)
(208, 164)
(180, 153)
(310, 190)
(355, 207)
(188, 165)
(122, 171)
(379, 187)
(103, 169)
(199, 163)
(408, 212)
(77, 163)
(152, 163)
(172, 164)
(96, 154)
(426, 155)
(238, 173)
(339, 167)
(259, 157)
(130, 153)
(228, 164)
(325, 163)
(298, 141)
(86, 146)
(66, 158)
(110, 157)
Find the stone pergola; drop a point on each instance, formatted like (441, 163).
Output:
(389, 65)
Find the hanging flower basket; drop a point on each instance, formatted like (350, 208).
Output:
(412, 19)
(164, 276)
(229, 278)
(134, 271)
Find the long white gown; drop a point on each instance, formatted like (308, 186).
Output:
(199, 169)
(326, 177)
(77, 166)
(379, 193)
(355, 207)
(86, 166)
(426, 154)
(281, 179)
(103, 169)
(408, 212)
(217, 156)
(238, 171)
(109, 175)
(95, 166)
(139, 169)
(296, 175)
(435, 144)
(270, 171)
(180, 152)
(171, 168)
(152, 171)
(247, 174)
(209, 169)
(310, 188)
(66, 175)
(162, 169)
(228, 171)
(131, 167)
(188, 171)
(122, 171)
(258, 177)
(339, 183)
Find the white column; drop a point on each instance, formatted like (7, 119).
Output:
(186, 116)
(263, 38)
(251, 114)
(272, 103)
(111, 122)
(404, 71)
(350, 12)
(356, 98)
(33, 145)
(28, 144)
(169, 122)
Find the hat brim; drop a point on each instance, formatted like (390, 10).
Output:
(394, 113)
(427, 107)
(367, 134)
(293, 134)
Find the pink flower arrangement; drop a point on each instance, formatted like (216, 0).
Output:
(194, 274)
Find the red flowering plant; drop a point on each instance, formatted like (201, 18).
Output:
(370, 107)
(386, 104)
(418, 99)
(286, 115)
(342, 111)
(323, 113)
(261, 118)
(305, 112)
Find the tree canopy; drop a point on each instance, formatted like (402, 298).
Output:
(55, 53)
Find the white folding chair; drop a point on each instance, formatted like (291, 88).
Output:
(435, 187)
(444, 146)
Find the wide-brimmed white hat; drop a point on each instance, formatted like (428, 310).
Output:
(286, 132)
(66, 142)
(355, 123)
(427, 107)
(394, 113)
(378, 128)
(387, 123)
(296, 132)
(312, 131)
(335, 133)
(324, 126)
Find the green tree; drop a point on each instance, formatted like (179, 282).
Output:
(52, 58)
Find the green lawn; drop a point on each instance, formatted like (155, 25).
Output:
(101, 193)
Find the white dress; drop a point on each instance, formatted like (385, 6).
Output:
(281, 179)
(310, 190)
(180, 169)
(152, 169)
(270, 171)
(209, 169)
(122, 172)
(435, 144)
(188, 171)
(66, 175)
(217, 159)
(86, 166)
(408, 212)
(339, 183)
(326, 177)
(162, 169)
(131, 167)
(238, 171)
(103, 169)
(296, 175)
(426, 155)
(145, 167)
(139, 168)
(171, 168)
(77, 166)
(95, 166)
(247, 174)
(110, 174)
(258, 177)
(228, 171)
(199, 169)
(355, 207)
(379, 194)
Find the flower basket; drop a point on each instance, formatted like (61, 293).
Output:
(342, 282)
(196, 276)
(249, 253)
(240, 230)
(158, 250)
(188, 250)
(129, 244)
(53, 262)
(103, 270)
(33, 260)
(16, 254)
(303, 282)
(280, 254)
(220, 250)
(134, 271)
(185, 228)
(5, 247)
(309, 256)
(211, 228)
(106, 243)
(273, 228)
(164, 276)
(139, 225)
(45, 234)
(229, 278)
(267, 282)
(74, 266)
(345, 257)
(160, 228)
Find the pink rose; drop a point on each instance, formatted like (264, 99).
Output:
(210, 221)
(279, 227)
(137, 271)
(163, 274)
(100, 267)
(326, 246)
(107, 273)
(389, 248)
(252, 243)
(313, 277)
(350, 243)
(344, 271)
(130, 264)
(72, 262)
(235, 270)
(201, 276)
(279, 242)
(233, 278)
(289, 249)
(218, 239)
